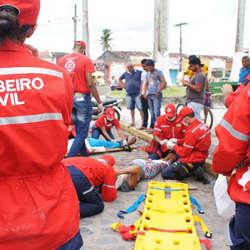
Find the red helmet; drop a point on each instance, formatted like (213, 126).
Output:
(28, 10)
(170, 111)
(108, 160)
(184, 112)
(110, 113)
(81, 43)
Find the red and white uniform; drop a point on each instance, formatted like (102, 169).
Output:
(165, 129)
(35, 188)
(78, 65)
(102, 121)
(97, 173)
(233, 151)
(196, 143)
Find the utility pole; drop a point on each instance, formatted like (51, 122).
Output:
(180, 50)
(240, 25)
(75, 22)
(85, 24)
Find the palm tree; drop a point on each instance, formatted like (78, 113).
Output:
(106, 39)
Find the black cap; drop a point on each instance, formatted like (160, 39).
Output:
(150, 62)
(194, 60)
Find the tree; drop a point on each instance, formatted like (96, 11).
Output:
(106, 39)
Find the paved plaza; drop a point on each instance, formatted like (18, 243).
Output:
(97, 232)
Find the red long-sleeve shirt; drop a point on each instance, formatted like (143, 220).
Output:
(233, 151)
(195, 145)
(97, 173)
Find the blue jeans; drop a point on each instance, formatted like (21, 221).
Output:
(154, 104)
(82, 112)
(96, 132)
(90, 201)
(74, 244)
(239, 227)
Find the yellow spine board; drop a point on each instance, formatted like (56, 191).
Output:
(167, 210)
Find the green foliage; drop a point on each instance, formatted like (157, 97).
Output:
(106, 39)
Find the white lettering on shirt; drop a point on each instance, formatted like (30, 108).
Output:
(11, 88)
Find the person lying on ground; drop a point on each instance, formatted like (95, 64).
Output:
(141, 169)
(166, 127)
(98, 145)
(104, 124)
(192, 151)
(92, 143)
(88, 175)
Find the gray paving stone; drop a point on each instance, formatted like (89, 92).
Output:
(96, 230)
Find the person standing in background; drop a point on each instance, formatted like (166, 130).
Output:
(132, 85)
(245, 70)
(153, 90)
(195, 91)
(144, 100)
(80, 68)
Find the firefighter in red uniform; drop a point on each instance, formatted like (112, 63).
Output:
(166, 127)
(105, 123)
(192, 151)
(35, 112)
(99, 172)
(232, 158)
(80, 68)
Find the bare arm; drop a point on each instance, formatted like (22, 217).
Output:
(120, 133)
(121, 83)
(92, 87)
(163, 85)
(145, 89)
(106, 135)
(128, 170)
(197, 87)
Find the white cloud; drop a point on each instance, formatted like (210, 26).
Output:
(211, 25)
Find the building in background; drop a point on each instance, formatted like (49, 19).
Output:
(113, 63)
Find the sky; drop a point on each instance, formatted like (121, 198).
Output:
(211, 25)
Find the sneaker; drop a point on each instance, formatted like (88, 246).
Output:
(142, 128)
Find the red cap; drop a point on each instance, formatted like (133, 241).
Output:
(81, 43)
(109, 160)
(28, 10)
(170, 111)
(184, 112)
(110, 113)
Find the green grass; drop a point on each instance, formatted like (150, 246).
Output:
(173, 91)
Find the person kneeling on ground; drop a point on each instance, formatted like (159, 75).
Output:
(87, 175)
(140, 170)
(166, 127)
(192, 151)
(105, 123)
